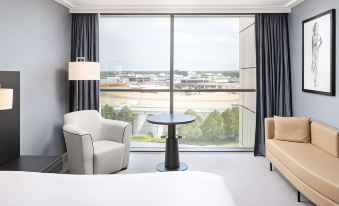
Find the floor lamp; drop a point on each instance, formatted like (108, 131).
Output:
(6, 98)
(82, 70)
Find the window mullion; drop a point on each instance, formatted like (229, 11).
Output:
(172, 64)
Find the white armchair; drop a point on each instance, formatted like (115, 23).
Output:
(96, 145)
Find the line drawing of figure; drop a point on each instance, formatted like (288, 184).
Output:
(316, 43)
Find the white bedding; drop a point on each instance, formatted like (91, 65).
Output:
(149, 189)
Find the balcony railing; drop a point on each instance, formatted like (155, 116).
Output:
(223, 122)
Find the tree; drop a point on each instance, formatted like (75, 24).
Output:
(108, 112)
(213, 126)
(126, 115)
(226, 115)
(231, 123)
(235, 120)
(192, 130)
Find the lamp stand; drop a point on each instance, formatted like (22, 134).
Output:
(77, 94)
(78, 59)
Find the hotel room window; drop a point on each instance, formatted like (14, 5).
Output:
(203, 65)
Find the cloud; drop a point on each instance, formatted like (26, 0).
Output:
(143, 43)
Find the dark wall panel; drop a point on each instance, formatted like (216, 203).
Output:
(35, 38)
(10, 119)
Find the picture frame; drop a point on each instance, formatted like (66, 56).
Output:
(318, 54)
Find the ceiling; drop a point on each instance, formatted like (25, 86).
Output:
(179, 6)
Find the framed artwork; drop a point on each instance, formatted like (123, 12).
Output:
(318, 63)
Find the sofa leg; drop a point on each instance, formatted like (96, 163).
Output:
(299, 196)
(270, 166)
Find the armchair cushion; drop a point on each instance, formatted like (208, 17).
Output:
(108, 156)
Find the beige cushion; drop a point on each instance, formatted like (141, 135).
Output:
(326, 138)
(313, 166)
(293, 129)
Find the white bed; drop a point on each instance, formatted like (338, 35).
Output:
(149, 189)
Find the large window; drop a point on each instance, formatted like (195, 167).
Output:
(206, 52)
(135, 52)
(192, 64)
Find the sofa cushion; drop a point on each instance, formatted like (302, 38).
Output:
(108, 156)
(310, 164)
(325, 137)
(293, 129)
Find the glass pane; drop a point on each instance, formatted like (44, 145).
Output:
(223, 120)
(135, 52)
(247, 127)
(206, 52)
(247, 57)
(135, 107)
(210, 52)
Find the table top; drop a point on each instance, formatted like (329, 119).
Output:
(171, 119)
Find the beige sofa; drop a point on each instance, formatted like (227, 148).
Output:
(313, 168)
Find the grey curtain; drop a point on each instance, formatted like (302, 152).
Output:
(84, 43)
(273, 72)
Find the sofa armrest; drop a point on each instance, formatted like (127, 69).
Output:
(79, 150)
(269, 128)
(325, 138)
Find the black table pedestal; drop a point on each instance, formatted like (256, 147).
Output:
(172, 162)
(161, 167)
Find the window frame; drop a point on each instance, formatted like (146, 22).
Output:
(173, 90)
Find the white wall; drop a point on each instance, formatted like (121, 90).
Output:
(35, 39)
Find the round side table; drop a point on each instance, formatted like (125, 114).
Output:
(172, 162)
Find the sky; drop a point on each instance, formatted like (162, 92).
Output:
(142, 43)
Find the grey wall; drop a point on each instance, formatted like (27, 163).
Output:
(35, 39)
(319, 107)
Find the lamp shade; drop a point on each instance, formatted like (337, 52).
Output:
(83, 71)
(6, 99)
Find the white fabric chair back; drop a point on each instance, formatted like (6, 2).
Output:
(88, 120)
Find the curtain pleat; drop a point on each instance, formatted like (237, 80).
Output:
(84, 43)
(273, 73)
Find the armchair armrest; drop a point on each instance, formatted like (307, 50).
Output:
(79, 150)
(118, 131)
(114, 130)
(74, 130)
